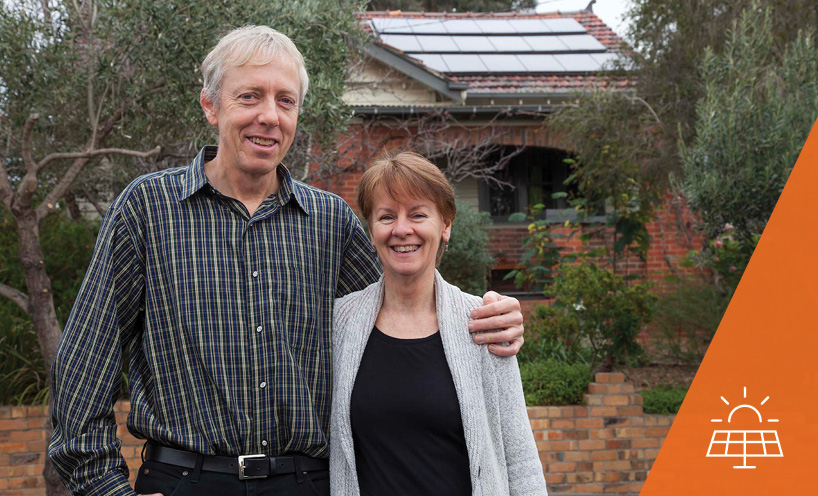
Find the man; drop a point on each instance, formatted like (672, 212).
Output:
(218, 280)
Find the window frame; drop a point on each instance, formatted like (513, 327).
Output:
(519, 175)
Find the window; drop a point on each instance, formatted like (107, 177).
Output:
(535, 174)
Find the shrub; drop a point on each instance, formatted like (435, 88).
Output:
(596, 308)
(725, 260)
(541, 344)
(686, 319)
(468, 261)
(22, 373)
(550, 382)
(541, 253)
(665, 400)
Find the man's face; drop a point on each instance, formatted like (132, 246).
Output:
(256, 115)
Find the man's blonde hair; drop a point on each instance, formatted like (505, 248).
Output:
(261, 44)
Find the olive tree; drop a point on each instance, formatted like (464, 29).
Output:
(758, 106)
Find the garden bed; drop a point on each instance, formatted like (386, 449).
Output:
(651, 376)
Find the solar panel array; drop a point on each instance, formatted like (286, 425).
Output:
(556, 45)
(493, 44)
(581, 62)
(402, 25)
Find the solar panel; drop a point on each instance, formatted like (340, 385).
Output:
(391, 25)
(474, 44)
(432, 61)
(464, 63)
(496, 26)
(462, 26)
(605, 60)
(546, 43)
(502, 63)
(564, 25)
(540, 63)
(529, 26)
(437, 43)
(582, 42)
(406, 43)
(509, 43)
(578, 62)
(427, 26)
(744, 444)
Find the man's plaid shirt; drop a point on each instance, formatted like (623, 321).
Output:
(224, 318)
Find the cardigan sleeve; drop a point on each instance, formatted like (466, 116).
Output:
(525, 471)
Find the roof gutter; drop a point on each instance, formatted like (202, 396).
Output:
(557, 95)
(454, 90)
(461, 110)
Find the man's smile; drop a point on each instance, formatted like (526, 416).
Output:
(263, 141)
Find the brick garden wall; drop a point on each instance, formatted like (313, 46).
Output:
(605, 446)
(22, 448)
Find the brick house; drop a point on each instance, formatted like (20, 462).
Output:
(481, 85)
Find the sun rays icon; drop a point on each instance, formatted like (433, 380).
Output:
(745, 443)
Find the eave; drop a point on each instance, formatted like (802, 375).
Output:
(453, 90)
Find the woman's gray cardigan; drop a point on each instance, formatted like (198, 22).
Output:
(503, 457)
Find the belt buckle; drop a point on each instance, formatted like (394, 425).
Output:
(242, 466)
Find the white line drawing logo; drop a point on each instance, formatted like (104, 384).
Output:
(745, 443)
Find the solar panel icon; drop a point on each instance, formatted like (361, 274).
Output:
(743, 443)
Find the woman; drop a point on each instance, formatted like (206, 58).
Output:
(418, 408)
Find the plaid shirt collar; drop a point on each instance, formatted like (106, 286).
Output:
(195, 179)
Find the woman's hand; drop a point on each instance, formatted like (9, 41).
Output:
(501, 314)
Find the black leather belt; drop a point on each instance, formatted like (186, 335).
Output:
(245, 466)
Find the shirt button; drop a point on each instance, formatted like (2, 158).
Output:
(262, 385)
(255, 273)
(258, 329)
(264, 443)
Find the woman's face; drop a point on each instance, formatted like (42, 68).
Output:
(406, 233)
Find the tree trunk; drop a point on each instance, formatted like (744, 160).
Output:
(42, 313)
(53, 483)
(41, 301)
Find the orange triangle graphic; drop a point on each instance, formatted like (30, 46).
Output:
(767, 342)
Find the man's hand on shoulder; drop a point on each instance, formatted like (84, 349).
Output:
(501, 313)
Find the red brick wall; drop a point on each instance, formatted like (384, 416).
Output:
(22, 442)
(22, 448)
(606, 445)
(673, 235)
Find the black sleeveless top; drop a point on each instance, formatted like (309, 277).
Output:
(406, 422)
